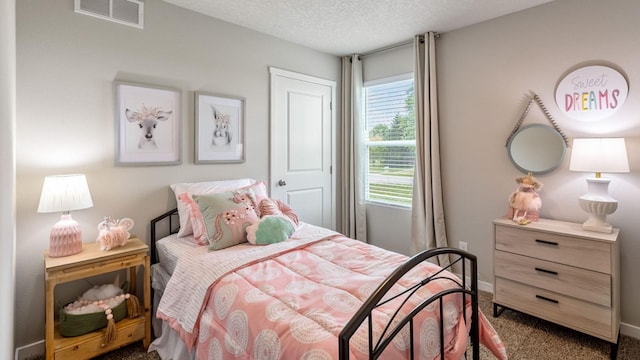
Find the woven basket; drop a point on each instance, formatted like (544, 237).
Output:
(76, 325)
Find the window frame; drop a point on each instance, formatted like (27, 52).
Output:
(366, 144)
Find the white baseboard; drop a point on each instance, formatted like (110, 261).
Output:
(630, 330)
(485, 286)
(31, 351)
(482, 285)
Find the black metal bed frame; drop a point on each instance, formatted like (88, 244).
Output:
(392, 329)
(170, 216)
(467, 286)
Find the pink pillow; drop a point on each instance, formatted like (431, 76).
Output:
(197, 221)
(276, 207)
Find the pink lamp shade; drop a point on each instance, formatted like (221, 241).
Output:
(63, 193)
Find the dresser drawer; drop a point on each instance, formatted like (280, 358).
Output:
(581, 315)
(568, 250)
(583, 284)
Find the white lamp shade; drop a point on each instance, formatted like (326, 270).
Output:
(62, 193)
(608, 155)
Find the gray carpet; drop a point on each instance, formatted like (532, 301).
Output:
(525, 337)
(529, 338)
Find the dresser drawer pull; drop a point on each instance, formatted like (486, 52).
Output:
(547, 271)
(546, 242)
(547, 299)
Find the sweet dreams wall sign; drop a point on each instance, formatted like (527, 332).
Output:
(591, 93)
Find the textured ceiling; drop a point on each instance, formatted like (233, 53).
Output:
(342, 27)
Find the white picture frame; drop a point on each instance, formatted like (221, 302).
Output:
(148, 125)
(219, 128)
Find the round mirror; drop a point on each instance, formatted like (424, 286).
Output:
(536, 148)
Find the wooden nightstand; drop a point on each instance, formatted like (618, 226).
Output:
(92, 261)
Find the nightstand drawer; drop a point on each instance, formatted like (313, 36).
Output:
(567, 280)
(92, 344)
(584, 316)
(592, 255)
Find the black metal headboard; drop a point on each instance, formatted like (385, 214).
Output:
(169, 218)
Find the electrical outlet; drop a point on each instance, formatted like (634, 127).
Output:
(462, 245)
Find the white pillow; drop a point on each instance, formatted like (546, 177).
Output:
(201, 188)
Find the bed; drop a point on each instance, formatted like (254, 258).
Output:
(314, 294)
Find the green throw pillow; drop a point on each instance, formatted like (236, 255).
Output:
(226, 216)
(269, 230)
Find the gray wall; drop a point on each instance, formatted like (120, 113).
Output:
(65, 120)
(7, 173)
(485, 73)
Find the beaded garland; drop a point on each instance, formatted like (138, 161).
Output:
(82, 307)
(79, 307)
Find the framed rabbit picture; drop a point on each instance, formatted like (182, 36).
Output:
(219, 128)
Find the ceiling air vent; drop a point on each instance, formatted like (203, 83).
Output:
(128, 12)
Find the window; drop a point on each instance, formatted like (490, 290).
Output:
(390, 141)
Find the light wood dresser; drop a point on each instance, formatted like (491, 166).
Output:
(558, 272)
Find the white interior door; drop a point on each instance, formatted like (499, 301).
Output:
(302, 145)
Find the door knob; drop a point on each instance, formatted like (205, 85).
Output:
(282, 182)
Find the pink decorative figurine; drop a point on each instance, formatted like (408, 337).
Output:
(525, 201)
(113, 233)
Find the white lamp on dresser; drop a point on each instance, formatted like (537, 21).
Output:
(598, 155)
(63, 193)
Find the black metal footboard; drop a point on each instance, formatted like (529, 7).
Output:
(170, 223)
(398, 322)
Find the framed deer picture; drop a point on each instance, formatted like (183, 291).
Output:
(219, 128)
(148, 125)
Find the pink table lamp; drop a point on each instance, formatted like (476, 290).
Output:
(63, 193)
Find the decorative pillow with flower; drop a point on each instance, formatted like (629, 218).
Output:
(270, 229)
(201, 188)
(226, 216)
(259, 190)
(277, 207)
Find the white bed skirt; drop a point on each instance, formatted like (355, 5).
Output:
(170, 347)
(167, 342)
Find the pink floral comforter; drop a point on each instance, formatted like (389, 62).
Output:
(290, 300)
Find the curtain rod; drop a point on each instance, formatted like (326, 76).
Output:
(387, 48)
(393, 46)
